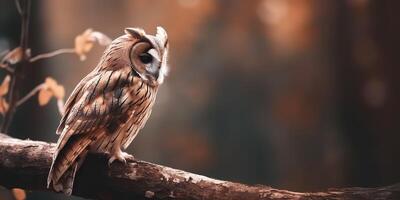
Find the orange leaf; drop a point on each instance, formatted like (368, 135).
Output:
(13, 56)
(85, 41)
(57, 90)
(101, 38)
(50, 82)
(3, 105)
(19, 194)
(51, 88)
(5, 85)
(44, 96)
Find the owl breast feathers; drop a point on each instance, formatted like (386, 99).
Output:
(111, 104)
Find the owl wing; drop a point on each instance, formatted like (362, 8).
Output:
(97, 105)
(75, 95)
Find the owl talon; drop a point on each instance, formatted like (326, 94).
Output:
(127, 156)
(120, 156)
(113, 158)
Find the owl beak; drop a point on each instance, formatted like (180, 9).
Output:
(157, 75)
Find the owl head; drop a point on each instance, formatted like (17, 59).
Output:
(148, 54)
(144, 54)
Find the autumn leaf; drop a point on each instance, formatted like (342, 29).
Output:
(57, 90)
(5, 85)
(3, 91)
(44, 97)
(3, 105)
(13, 56)
(19, 194)
(85, 41)
(50, 88)
(83, 44)
(100, 38)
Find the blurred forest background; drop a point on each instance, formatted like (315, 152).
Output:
(297, 94)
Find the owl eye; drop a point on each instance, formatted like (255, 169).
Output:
(146, 58)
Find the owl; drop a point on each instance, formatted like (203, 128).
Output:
(111, 104)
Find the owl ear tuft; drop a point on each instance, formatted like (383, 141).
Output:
(162, 36)
(135, 32)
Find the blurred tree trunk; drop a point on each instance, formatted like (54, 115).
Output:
(365, 63)
(385, 28)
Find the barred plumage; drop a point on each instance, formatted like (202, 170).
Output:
(111, 104)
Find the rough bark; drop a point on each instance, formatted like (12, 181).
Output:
(25, 164)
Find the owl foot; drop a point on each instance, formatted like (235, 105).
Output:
(120, 156)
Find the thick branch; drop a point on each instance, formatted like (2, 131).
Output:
(25, 164)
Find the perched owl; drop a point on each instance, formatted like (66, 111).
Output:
(111, 104)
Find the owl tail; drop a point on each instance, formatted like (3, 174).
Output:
(64, 182)
(66, 161)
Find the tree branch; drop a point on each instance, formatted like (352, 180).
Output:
(25, 164)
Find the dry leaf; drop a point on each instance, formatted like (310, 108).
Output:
(44, 97)
(19, 194)
(51, 88)
(83, 44)
(3, 105)
(85, 41)
(101, 38)
(57, 90)
(13, 56)
(5, 85)
(3, 91)
(50, 82)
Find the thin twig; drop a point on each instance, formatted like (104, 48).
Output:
(51, 54)
(18, 5)
(30, 94)
(60, 106)
(7, 68)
